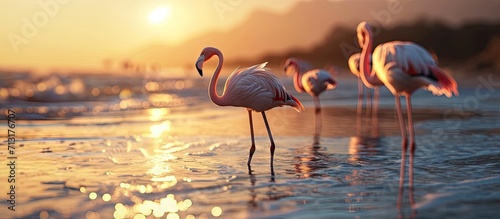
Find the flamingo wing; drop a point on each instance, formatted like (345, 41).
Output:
(418, 64)
(410, 57)
(324, 77)
(258, 89)
(318, 80)
(354, 63)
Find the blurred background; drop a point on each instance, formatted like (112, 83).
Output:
(123, 51)
(50, 36)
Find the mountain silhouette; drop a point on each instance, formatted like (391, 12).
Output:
(315, 29)
(473, 42)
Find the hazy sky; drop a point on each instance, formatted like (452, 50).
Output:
(65, 34)
(69, 33)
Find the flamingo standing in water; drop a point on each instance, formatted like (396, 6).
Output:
(254, 88)
(314, 82)
(354, 67)
(402, 67)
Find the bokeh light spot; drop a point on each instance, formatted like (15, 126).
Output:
(92, 215)
(139, 216)
(44, 215)
(106, 197)
(216, 211)
(93, 195)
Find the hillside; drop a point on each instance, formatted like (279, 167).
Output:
(315, 29)
(468, 43)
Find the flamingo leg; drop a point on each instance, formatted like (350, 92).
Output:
(359, 110)
(271, 139)
(252, 149)
(317, 111)
(376, 97)
(411, 132)
(401, 190)
(403, 144)
(401, 122)
(369, 102)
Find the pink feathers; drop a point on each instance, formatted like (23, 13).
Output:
(447, 85)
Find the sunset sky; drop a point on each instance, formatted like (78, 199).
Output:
(72, 34)
(80, 33)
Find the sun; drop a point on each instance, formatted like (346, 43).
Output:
(159, 15)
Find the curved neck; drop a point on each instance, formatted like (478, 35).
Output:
(366, 73)
(297, 77)
(212, 89)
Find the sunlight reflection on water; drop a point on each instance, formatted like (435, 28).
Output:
(189, 161)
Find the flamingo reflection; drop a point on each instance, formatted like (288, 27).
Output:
(310, 159)
(366, 142)
(272, 192)
(411, 197)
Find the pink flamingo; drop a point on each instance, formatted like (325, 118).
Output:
(254, 88)
(403, 67)
(354, 67)
(314, 82)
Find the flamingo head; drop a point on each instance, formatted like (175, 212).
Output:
(363, 30)
(291, 66)
(354, 63)
(205, 55)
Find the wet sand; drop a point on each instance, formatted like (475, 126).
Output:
(189, 161)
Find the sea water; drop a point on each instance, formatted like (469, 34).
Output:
(132, 147)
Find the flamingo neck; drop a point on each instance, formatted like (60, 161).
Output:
(366, 73)
(297, 78)
(212, 89)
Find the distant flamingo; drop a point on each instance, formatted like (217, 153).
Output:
(403, 67)
(254, 88)
(354, 67)
(314, 82)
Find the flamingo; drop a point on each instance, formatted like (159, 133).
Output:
(402, 67)
(354, 67)
(314, 82)
(255, 88)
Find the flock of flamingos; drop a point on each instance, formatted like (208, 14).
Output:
(402, 67)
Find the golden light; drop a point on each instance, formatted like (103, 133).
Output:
(4, 93)
(93, 195)
(92, 215)
(41, 87)
(44, 215)
(216, 211)
(157, 130)
(120, 211)
(95, 92)
(139, 216)
(172, 216)
(157, 114)
(159, 15)
(106, 197)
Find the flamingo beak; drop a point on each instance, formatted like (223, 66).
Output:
(199, 64)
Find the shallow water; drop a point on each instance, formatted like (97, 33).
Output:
(186, 158)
